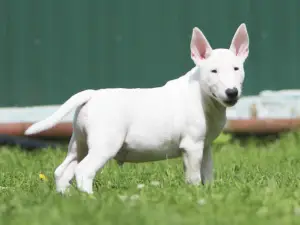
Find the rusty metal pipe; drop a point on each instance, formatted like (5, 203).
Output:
(258, 126)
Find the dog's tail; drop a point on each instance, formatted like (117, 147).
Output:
(75, 101)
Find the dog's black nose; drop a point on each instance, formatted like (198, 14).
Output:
(232, 92)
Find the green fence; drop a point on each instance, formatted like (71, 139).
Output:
(50, 49)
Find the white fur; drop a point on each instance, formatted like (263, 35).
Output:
(182, 117)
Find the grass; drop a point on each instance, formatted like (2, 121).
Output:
(255, 183)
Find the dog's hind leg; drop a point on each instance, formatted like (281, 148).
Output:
(65, 172)
(100, 151)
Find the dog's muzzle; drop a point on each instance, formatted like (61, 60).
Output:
(232, 96)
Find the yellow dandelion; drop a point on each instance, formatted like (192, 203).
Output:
(43, 177)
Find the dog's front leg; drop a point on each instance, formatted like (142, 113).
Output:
(192, 159)
(207, 166)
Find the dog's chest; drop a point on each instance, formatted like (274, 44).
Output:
(214, 127)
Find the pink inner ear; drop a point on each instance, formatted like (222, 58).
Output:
(200, 47)
(240, 42)
(201, 56)
(241, 51)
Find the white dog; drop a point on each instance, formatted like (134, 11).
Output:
(182, 117)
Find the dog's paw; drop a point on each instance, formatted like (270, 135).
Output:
(193, 180)
(68, 191)
(87, 196)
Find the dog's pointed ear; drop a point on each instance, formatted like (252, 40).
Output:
(200, 48)
(240, 42)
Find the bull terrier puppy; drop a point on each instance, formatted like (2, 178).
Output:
(180, 118)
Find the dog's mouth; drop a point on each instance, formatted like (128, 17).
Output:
(227, 102)
(231, 102)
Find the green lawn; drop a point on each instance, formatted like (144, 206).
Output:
(255, 184)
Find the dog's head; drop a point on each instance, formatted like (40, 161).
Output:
(221, 70)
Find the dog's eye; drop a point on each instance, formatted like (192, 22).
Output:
(236, 68)
(214, 71)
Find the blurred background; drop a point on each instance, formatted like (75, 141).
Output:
(51, 49)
